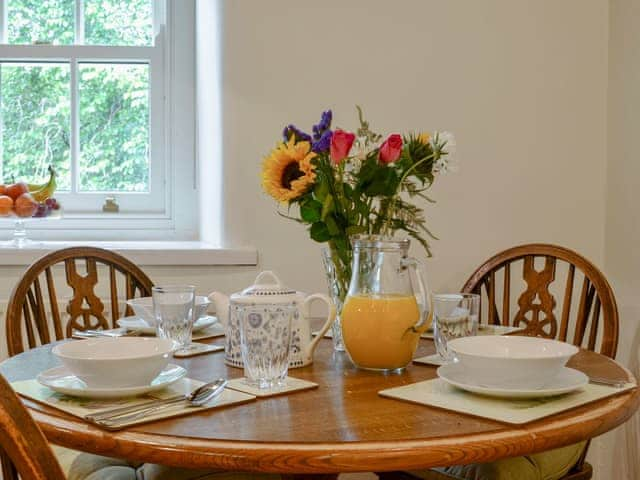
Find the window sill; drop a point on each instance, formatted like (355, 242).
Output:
(141, 252)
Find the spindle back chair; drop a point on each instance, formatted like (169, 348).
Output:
(23, 446)
(584, 292)
(33, 313)
(587, 304)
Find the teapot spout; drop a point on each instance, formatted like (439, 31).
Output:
(221, 301)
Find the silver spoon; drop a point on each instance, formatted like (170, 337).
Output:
(197, 397)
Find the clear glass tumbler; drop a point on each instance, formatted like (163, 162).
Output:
(173, 307)
(455, 316)
(265, 341)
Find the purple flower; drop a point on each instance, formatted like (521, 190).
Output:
(322, 126)
(299, 135)
(325, 121)
(324, 143)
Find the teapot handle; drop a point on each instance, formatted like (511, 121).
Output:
(425, 317)
(328, 322)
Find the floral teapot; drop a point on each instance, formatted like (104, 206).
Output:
(268, 290)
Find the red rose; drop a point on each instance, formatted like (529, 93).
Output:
(341, 142)
(391, 148)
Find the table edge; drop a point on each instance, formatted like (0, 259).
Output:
(286, 457)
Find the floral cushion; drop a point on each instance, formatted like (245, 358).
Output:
(549, 465)
(86, 466)
(160, 472)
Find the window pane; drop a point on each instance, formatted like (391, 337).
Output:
(35, 118)
(118, 22)
(40, 21)
(114, 127)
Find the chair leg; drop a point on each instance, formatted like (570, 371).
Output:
(585, 472)
(9, 471)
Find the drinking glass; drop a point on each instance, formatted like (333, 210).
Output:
(265, 340)
(455, 316)
(173, 308)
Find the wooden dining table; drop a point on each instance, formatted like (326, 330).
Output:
(343, 425)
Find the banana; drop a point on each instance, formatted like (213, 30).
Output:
(44, 191)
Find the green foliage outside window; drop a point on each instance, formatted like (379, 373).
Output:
(113, 98)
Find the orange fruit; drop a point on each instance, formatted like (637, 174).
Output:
(6, 204)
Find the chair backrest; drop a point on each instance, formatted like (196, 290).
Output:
(591, 314)
(33, 312)
(22, 442)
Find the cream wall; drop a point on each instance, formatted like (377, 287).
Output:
(521, 83)
(622, 256)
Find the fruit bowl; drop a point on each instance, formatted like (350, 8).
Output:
(21, 202)
(19, 238)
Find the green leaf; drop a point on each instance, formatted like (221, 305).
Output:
(327, 207)
(319, 232)
(321, 189)
(384, 182)
(310, 210)
(332, 226)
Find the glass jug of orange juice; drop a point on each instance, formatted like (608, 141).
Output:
(388, 304)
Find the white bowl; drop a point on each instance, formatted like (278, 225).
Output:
(115, 362)
(512, 361)
(143, 308)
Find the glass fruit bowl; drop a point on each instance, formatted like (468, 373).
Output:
(43, 212)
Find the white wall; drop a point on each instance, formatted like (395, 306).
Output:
(522, 83)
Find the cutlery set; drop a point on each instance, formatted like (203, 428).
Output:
(118, 417)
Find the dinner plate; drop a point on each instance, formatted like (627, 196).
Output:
(566, 381)
(483, 329)
(137, 324)
(60, 379)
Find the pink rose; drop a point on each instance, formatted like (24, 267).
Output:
(341, 142)
(391, 148)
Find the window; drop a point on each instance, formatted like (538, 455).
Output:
(84, 87)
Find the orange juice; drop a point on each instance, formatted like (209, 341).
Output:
(376, 330)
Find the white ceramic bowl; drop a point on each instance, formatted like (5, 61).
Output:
(115, 362)
(512, 361)
(143, 308)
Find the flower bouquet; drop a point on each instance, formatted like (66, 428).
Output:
(342, 184)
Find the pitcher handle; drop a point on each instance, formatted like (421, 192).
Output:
(328, 322)
(425, 318)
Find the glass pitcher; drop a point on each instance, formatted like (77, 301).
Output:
(388, 304)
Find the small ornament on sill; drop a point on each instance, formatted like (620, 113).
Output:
(110, 205)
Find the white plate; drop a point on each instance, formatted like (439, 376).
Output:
(483, 329)
(61, 380)
(566, 381)
(137, 324)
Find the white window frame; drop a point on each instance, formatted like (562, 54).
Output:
(159, 214)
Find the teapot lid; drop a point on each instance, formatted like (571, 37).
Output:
(266, 290)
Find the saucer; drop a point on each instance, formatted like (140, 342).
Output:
(566, 381)
(60, 379)
(137, 324)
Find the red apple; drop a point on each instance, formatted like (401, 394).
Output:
(16, 189)
(25, 205)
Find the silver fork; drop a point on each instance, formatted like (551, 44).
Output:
(208, 391)
(104, 333)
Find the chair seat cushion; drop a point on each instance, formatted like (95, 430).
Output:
(152, 471)
(86, 466)
(549, 465)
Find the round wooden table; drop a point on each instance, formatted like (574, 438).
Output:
(342, 426)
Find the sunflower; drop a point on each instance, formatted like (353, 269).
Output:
(287, 173)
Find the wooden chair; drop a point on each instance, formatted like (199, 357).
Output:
(22, 442)
(588, 315)
(33, 313)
